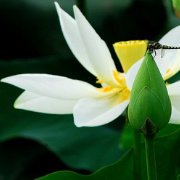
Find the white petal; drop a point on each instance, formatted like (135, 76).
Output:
(174, 89)
(175, 116)
(97, 50)
(174, 65)
(172, 38)
(175, 101)
(132, 72)
(164, 62)
(171, 58)
(53, 86)
(96, 112)
(174, 95)
(73, 38)
(34, 102)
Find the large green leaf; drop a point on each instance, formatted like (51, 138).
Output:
(167, 158)
(120, 170)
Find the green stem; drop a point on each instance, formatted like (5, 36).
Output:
(137, 155)
(150, 158)
(82, 6)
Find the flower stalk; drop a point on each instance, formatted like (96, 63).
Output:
(137, 154)
(150, 158)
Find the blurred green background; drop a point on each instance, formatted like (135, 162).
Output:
(34, 144)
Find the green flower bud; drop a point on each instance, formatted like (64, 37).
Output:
(149, 108)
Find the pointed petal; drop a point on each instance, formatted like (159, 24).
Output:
(54, 86)
(97, 50)
(132, 72)
(34, 102)
(172, 38)
(73, 38)
(96, 112)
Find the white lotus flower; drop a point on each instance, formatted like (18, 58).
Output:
(91, 106)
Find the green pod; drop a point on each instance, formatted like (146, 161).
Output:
(149, 108)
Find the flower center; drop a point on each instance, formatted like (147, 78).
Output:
(122, 91)
(130, 52)
(124, 95)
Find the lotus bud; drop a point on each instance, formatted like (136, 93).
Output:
(150, 108)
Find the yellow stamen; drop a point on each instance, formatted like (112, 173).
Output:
(130, 52)
(167, 83)
(122, 92)
(120, 78)
(105, 89)
(99, 81)
(168, 74)
(124, 95)
(172, 70)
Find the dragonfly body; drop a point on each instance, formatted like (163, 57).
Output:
(152, 46)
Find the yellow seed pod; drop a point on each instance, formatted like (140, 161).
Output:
(130, 52)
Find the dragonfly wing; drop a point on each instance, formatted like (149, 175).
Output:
(162, 53)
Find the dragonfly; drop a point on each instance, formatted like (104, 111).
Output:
(153, 46)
